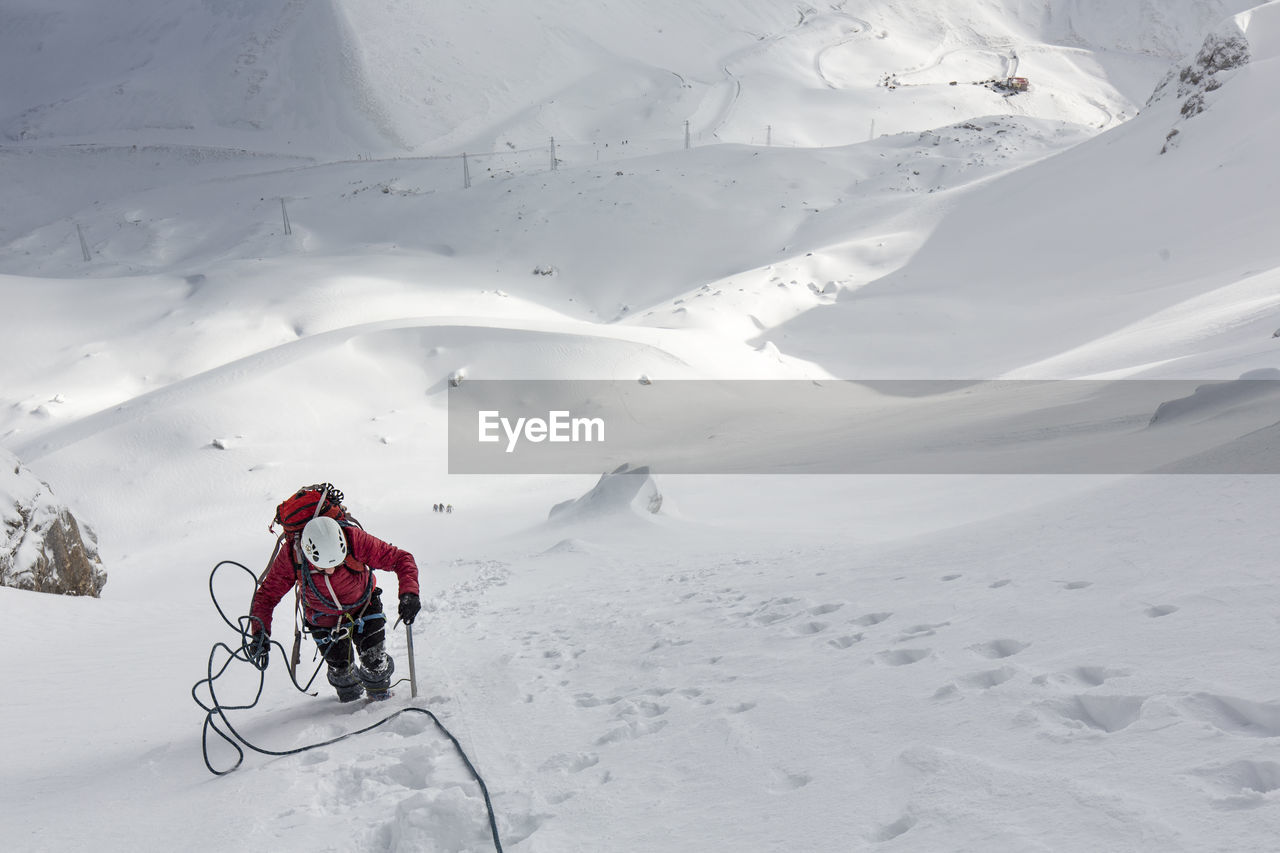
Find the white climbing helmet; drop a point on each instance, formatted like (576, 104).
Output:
(323, 542)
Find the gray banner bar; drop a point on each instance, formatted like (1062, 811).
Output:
(866, 427)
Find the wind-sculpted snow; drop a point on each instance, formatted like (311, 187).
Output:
(620, 490)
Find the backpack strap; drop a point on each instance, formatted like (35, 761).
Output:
(306, 581)
(274, 553)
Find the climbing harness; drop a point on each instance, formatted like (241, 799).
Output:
(215, 711)
(329, 605)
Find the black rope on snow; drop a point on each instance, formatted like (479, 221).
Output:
(216, 711)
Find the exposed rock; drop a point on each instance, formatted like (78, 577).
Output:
(42, 546)
(1222, 53)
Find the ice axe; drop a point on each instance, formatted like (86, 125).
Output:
(413, 674)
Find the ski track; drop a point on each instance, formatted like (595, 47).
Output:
(864, 27)
(807, 18)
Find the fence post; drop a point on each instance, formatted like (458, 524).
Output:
(768, 135)
(84, 244)
(553, 154)
(284, 211)
(466, 172)
(686, 134)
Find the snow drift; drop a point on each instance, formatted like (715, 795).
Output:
(623, 489)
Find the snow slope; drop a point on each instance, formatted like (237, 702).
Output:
(1116, 221)
(286, 269)
(363, 77)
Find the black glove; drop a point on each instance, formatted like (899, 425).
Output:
(259, 650)
(409, 607)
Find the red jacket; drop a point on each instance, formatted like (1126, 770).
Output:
(349, 580)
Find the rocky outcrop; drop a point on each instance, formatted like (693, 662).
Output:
(42, 546)
(1222, 53)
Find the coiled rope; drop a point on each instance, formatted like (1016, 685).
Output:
(215, 711)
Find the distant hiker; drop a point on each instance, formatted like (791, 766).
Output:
(449, 508)
(330, 559)
(435, 507)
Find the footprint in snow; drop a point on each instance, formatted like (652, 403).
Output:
(1090, 676)
(445, 821)
(410, 725)
(947, 691)
(1236, 716)
(588, 700)
(997, 649)
(413, 770)
(990, 678)
(641, 709)
(565, 763)
(663, 643)
(891, 831)
(631, 730)
(1107, 714)
(917, 631)
(1241, 784)
(785, 780)
(903, 657)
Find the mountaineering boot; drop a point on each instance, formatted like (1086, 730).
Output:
(346, 680)
(375, 671)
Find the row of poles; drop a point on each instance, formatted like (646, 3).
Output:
(466, 177)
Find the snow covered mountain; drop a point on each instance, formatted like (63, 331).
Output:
(341, 78)
(246, 247)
